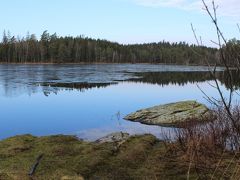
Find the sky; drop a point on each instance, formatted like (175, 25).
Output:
(123, 21)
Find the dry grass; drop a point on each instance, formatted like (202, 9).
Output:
(212, 149)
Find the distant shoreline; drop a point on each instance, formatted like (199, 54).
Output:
(86, 63)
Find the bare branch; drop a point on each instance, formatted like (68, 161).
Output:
(195, 35)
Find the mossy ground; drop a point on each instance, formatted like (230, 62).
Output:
(66, 157)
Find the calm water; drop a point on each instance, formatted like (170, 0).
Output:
(90, 100)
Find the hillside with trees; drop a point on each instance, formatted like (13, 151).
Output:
(51, 48)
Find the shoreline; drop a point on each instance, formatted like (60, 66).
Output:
(100, 63)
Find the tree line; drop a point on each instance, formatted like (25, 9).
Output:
(51, 48)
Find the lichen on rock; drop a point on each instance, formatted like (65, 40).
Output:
(173, 114)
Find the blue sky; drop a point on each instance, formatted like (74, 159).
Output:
(123, 21)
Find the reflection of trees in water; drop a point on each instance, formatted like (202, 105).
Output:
(11, 89)
(26, 79)
(12, 85)
(167, 78)
(225, 79)
(22, 79)
(49, 88)
(17, 80)
(182, 78)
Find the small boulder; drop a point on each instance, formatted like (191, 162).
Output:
(114, 137)
(72, 178)
(171, 115)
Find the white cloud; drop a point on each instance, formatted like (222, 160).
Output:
(229, 8)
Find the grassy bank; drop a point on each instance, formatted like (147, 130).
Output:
(139, 157)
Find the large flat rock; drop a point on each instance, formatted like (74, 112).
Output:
(174, 114)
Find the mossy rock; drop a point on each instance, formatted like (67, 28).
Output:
(173, 114)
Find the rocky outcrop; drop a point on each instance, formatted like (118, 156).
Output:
(174, 114)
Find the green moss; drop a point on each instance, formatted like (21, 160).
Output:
(66, 157)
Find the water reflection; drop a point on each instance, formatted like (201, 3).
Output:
(171, 78)
(87, 96)
(51, 87)
(21, 79)
(183, 78)
(132, 128)
(225, 79)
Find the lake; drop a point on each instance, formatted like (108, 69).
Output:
(89, 101)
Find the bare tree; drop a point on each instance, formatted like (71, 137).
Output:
(229, 57)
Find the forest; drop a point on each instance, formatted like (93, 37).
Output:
(51, 48)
